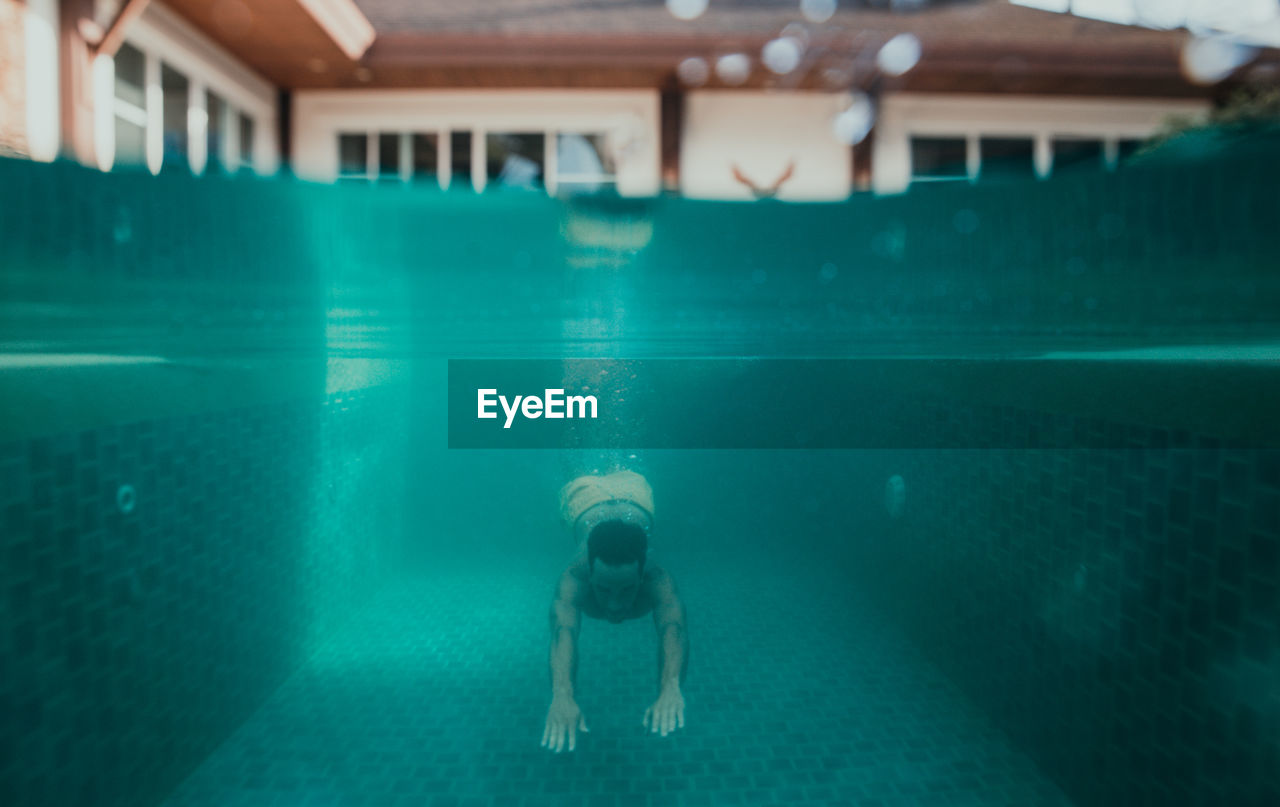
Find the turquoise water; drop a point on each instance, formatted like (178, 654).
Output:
(243, 565)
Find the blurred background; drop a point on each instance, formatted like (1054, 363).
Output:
(241, 240)
(730, 100)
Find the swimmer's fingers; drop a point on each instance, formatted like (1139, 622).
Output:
(553, 737)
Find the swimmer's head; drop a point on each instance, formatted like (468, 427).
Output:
(616, 553)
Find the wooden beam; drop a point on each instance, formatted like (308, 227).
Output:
(114, 37)
(284, 111)
(672, 126)
(861, 159)
(75, 83)
(345, 24)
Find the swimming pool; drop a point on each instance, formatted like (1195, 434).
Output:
(244, 566)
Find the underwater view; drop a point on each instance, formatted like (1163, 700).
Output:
(960, 497)
(639, 404)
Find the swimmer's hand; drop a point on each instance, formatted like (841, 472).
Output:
(667, 712)
(563, 718)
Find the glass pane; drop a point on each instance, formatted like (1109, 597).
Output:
(425, 156)
(938, 157)
(1006, 158)
(215, 134)
(131, 76)
(584, 163)
(1076, 154)
(514, 160)
(175, 89)
(583, 155)
(353, 154)
(246, 140)
(131, 144)
(389, 155)
(460, 159)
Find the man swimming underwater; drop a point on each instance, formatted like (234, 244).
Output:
(611, 517)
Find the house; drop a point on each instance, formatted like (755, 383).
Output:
(729, 99)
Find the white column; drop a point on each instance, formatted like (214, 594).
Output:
(104, 111)
(41, 41)
(155, 112)
(197, 126)
(230, 148)
(406, 156)
(1043, 156)
(266, 155)
(372, 144)
(444, 154)
(972, 156)
(890, 158)
(231, 137)
(479, 174)
(549, 161)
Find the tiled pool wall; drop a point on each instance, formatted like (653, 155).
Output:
(1113, 608)
(161, 578)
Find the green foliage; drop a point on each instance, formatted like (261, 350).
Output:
(1249, 109)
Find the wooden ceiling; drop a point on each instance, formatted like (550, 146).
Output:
(279, 39)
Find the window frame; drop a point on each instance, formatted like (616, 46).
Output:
(969, 146)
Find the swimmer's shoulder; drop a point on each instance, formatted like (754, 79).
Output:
(577, 570)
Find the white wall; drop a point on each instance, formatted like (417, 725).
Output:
(631, 115)
(761, 132)
(163, 36)
(41, 57)
(903, 115)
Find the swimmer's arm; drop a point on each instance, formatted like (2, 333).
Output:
(565, 621)
(673, 639)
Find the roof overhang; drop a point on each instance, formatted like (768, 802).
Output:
(289, 42)
(983, 46)
(842, 61)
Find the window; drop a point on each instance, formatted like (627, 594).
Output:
(215, 131)
(246, 141)
(130, 107)
(424, 156)
(353, 156)
(224, 124)
(1075, 154)
(401, 156)
(389, 156)
(174, 88)
(460, 160)
(584, 163)
(1007, 158)
(938, 158)
(515, 161)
